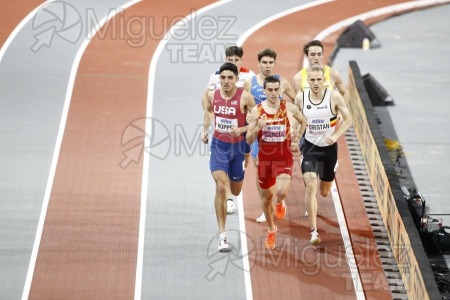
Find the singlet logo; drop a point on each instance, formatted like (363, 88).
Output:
(274, 120)
(308, 106)
(225, 110)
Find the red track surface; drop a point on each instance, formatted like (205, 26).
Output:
(12, 13)
(110, 90)
(292, 276)
(91, 192)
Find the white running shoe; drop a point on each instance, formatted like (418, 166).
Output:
(261, 218)
(315, 239)
(230, 206)
(306, 213)
(223, 243)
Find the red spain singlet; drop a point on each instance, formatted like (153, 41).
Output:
(275, 138)
(228, 115)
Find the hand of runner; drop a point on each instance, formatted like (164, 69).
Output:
(261, 122)
(330, 140)
(205, 137)
(236, 131)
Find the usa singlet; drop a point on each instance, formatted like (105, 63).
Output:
(321, 121)
(228, 115)
(275, 138)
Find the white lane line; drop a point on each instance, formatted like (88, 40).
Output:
(62, 126)
(359, 290)
(396, 8)
(19, 27)
(279, 15)
(148, 128)
(243, 236)
(244, 249)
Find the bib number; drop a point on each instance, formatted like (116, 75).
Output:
(224, 125)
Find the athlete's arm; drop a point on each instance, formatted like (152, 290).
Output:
(338, 104)
(247, 103)
(336, 77)
(207, 116)
(205, 105)
(298, 116)
(298, 82)
(299, 100)
(247, 85)
(254, 126)
(205, 99)
(298, 125)
(287, 89)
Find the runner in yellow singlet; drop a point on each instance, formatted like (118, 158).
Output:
(313, 51)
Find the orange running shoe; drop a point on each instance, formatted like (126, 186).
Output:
(270, 239)
(280, 211)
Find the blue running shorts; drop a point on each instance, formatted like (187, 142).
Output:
(228, 157)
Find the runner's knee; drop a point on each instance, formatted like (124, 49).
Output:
(221, 187)
(311, 187)
(236, 188)
(324, 192)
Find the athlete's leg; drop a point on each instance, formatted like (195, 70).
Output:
(328, 172)
(230, 201)
(220, 201)
(247, 159)
(266, 185)
(325, 188)
(256, 163)
(267, 206)
(236, 187)
(282, 186)
(310, 179)
(229, 197)
(262, 217)
(254, 152)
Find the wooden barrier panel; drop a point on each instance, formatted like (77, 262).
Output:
(411, 259)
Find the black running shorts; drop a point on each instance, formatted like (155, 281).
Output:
(319, 160)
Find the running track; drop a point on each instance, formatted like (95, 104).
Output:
(73, 170)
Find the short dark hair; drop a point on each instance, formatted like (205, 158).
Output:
(270, 79)
(234, 50)
(310, 44)
(229, 67)
(267, 52)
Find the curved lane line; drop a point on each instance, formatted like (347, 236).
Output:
(322, 35)
(264, 22)
(392, 9)
(356, 278)
(40, 226)
(148, 128)
(18, 28)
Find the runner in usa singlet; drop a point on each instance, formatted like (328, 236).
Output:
(228, 115)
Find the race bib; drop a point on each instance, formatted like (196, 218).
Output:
(274, 133)
(318, 125)
(224, 125)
